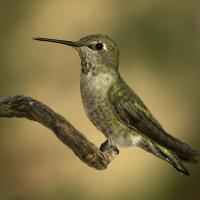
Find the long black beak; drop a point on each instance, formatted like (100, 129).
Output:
(70, 43)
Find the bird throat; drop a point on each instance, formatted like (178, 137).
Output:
(86, 66)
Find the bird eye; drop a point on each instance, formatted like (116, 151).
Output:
(99, 46)
(96, 46)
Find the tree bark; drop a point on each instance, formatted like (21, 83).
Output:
(29, 108)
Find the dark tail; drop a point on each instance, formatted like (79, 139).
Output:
(174, 159)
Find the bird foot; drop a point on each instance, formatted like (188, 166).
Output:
(108, 148)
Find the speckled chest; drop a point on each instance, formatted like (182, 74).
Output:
(94, 91)
(94, 88)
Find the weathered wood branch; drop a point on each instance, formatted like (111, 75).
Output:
(27, 107)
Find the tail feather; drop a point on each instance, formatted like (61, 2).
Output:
(171, 157)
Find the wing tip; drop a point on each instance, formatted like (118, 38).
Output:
(182, 169)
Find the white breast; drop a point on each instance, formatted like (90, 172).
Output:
(96, 83)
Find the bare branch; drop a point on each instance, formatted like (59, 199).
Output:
(27, 107)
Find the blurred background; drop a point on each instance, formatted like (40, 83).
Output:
(159, 43)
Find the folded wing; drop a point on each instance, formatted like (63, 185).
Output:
(131, 111)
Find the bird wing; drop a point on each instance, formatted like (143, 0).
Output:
(131, 111)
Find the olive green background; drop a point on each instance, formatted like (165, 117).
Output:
(159, 43)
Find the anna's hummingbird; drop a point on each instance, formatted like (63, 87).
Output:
(116, 110)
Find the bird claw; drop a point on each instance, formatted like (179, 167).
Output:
(110, 149)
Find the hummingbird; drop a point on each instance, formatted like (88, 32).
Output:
(116, 110)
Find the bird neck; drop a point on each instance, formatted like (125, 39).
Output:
(88, 66)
